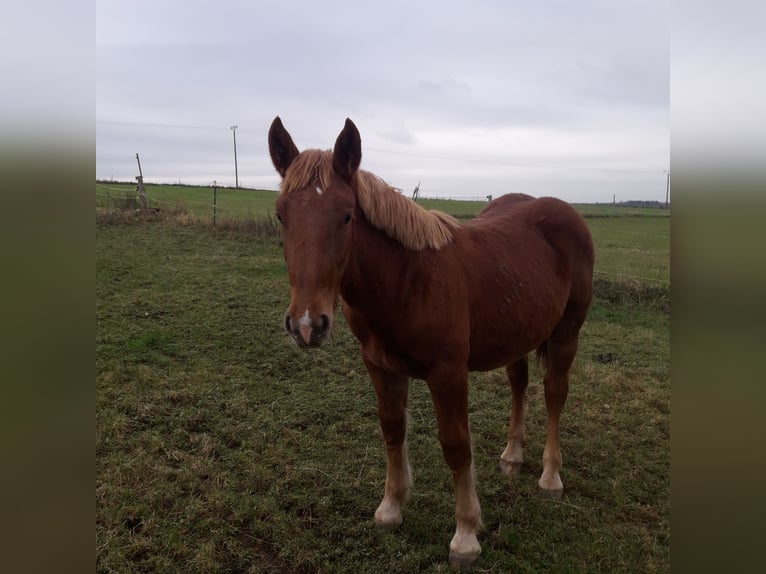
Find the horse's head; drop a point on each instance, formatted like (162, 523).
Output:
(315, 208)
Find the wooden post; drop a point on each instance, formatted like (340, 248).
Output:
(140, 186)
(215, 200)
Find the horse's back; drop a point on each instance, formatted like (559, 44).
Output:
(526, 261)
(518, 215)
(528, 224)
(502, 205)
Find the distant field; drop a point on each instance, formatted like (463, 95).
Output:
(632, 244)
(238, 202)
(253, 202)
(633, 247)
(590, 210)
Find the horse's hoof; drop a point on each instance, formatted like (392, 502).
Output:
(510, 468)
(388, 517)
(553, 493)
(387, 527)
(462, 562)
(550, 485)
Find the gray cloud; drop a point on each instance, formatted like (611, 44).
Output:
(494, 93)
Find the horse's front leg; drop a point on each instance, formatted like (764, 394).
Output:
(391, 390)
(449, 392)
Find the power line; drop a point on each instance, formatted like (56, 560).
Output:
(509, 163)
(519, 164)
(154, 125)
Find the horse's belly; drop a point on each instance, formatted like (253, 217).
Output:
(505, 339)
(485, 356)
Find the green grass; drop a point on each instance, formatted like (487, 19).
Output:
(222, 447)
(632, 248)
(590, 210)
(456, 208)
(196, 200)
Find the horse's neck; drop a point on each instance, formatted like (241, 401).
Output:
(375, 268)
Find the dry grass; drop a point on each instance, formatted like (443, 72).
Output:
(263, 226)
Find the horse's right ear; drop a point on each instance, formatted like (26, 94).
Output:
(281, 147)
(347, 154)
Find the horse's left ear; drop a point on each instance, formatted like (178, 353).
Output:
(347, 154)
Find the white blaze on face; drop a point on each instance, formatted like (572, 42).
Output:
(318, 189)
(304, 326)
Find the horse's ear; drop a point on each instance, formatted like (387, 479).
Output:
(347, 154)
(281, 147)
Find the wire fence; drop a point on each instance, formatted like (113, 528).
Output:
(128, 193)
(154, 200)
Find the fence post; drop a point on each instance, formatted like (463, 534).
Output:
(215, 200)
(140, 187)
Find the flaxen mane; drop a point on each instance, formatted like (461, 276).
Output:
(388, 210)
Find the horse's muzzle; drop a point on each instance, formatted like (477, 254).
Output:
(306, 332)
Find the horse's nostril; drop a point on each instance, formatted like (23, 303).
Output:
(288, 326)
(325, 323)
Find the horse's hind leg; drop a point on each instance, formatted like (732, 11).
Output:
(558, 353)
(391, 390)
(512, 457)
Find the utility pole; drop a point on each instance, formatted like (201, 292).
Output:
(140, 186)
(236, 173)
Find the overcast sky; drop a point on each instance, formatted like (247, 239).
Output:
(561, 98)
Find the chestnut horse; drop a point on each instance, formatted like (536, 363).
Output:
(430, 298)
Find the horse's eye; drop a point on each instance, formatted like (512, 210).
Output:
(279, 218)
(346, 218)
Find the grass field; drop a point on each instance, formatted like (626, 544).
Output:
(632, 244)
(232, 202)
(222, 447)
